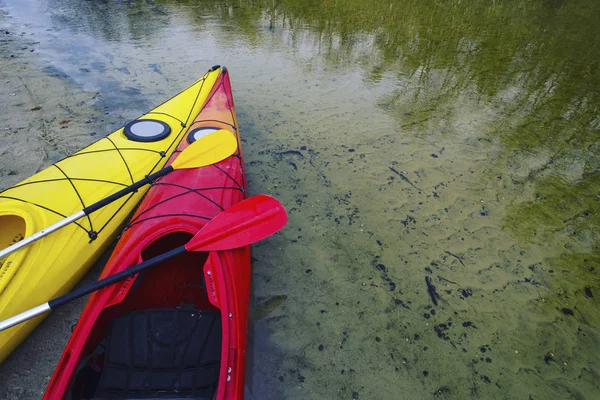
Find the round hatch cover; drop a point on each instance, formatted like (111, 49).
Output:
(146, 130)
(197, 133)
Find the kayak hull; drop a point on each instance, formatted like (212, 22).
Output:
(216, 283)
(51, 267)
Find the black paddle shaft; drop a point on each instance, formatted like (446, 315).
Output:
(129, 189)
(130, 271)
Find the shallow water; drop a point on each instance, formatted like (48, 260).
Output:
(421, 148)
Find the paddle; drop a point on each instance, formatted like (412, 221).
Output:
(240, 225)
(207, 150)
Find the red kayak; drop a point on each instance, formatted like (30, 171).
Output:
(162, 334)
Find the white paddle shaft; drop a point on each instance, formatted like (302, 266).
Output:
(38, 235)
(24, 316)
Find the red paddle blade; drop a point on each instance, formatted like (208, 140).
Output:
(240, 225)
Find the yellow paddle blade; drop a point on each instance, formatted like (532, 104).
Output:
(207, 150)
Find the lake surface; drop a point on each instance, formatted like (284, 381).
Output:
(439, 162)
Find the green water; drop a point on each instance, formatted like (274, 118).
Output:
(456, 142)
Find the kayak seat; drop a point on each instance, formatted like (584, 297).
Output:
(162, 353)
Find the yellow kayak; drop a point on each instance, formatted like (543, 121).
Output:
(51, 266)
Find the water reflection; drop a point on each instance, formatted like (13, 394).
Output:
(451, 140)
(109, 20)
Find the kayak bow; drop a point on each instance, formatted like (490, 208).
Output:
(178, 329)
(208, 150)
